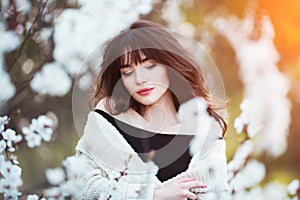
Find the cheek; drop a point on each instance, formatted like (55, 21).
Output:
(163, 78)
(128, 84)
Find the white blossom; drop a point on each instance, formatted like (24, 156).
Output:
(255, 193)
(252, 174)
(42, 125)
(9, 40)
(71, 44)
(55, 176)
(75, 166)
(52, 80)
(33, 140)
(10, 136)
(18, 138)
(293, 187)
(3, 120)
(48, 17)
(23, 5)
(171, 13)
(239, 123)
(2, 146)
(7, 89)
(85, 81)
(195, 108)
(33, 197)
(39, 129)
(54, 193)
(45, 34)
(240, 156)
(11, 179)
(2, 159)
(8, 169)
(69, 187)
(275, 190)
(11, 149)
(11, 193)
(14, 159)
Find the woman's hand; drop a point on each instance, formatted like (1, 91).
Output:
(179, 190)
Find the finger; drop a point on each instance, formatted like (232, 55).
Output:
(190, 195)
(194, 184)
(186, 179)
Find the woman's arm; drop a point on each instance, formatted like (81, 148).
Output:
(97, 184)
(211, 169)
(94, 183)
(209, 163)
(179, 190)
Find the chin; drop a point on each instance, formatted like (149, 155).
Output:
(146, 101)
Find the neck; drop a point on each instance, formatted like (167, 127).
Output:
(162, 115)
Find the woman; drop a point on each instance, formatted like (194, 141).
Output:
(152, 104)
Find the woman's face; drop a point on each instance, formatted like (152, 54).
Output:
(146, 82)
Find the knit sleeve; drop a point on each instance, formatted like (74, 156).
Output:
(210, 169)
(96, 184)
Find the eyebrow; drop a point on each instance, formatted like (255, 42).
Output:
(142, 61)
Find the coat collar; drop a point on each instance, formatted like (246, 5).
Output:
(102, 141)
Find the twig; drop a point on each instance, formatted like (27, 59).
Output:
(23, 99)
(10, 66)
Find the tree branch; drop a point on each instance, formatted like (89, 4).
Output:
(12, 63)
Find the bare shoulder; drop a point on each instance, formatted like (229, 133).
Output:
(130, 116)
(101, 105)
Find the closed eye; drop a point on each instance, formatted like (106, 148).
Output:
(128, 73)
(151, 66)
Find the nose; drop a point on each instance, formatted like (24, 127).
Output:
(140, 76)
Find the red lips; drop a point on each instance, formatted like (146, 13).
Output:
(144, 91)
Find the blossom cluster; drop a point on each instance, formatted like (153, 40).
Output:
(10, 171)
(9, 136)
(266, 132)
(11, 178)
(264, 97)
(65, 180)
(10, 40)
(10, 181)
(246, 173)
(71, 52)
(39, 129)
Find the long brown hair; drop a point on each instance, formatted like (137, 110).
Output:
(148, 39)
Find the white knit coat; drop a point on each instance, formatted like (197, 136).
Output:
(106, 151)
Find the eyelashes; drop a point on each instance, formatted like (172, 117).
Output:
(130, 72)
(151, 66)
(127, 73)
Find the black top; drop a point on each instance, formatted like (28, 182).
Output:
(171, 151)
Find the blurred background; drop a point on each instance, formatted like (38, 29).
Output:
(39, 32)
